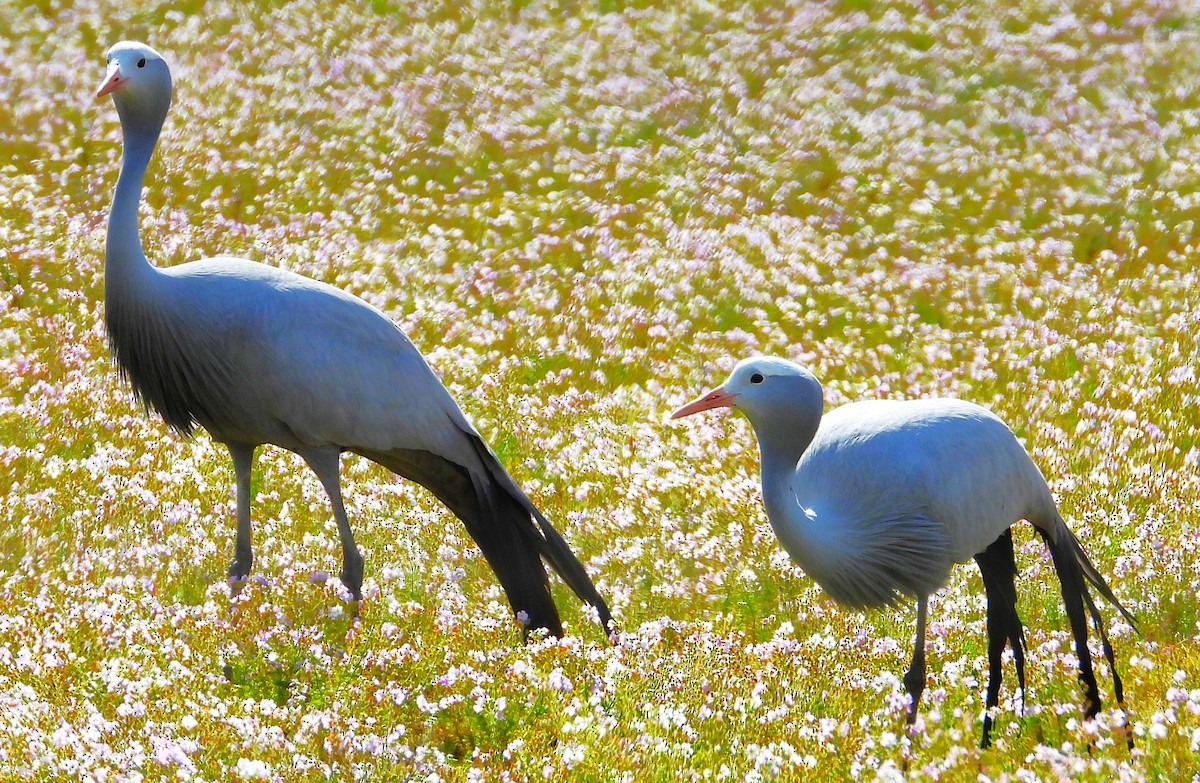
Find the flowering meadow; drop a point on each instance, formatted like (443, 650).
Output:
(584, 213)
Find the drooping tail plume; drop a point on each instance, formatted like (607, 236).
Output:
(546, 538)
(1075, 570)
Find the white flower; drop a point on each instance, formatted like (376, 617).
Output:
(571, 754)
(252, 769)
(559, 681)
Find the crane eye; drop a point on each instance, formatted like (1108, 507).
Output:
(142, 63)
(756, 378)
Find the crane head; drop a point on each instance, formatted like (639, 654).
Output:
(759, 382)
(139, 82)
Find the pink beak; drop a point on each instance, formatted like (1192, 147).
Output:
(112, 81)
(717, 398)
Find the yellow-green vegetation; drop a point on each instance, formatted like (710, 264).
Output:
(584, 213)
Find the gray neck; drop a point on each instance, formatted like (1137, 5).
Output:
(124, 261)
(781, 443)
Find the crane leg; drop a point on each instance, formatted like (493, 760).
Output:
(999, 571)
(243, 552)
(914, 678)
(326, 463)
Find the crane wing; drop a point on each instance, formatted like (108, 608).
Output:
(307, 364)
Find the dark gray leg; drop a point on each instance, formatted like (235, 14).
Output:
(999, 571)
(914, 678)
(326, 464)
(243, 553)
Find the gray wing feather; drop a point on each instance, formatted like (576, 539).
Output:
(894, 559)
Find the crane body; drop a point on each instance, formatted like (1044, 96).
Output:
(258, 355)
(877, 501)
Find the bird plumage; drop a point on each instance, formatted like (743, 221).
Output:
(887, 484)
(878, 500)
(255, 355)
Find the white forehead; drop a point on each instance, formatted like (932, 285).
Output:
(127, 49)
(768, 366)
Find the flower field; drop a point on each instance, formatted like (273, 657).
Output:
(584, 213)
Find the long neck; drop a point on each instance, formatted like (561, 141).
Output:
(780, 446)
(807, 540)
(124, 261)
